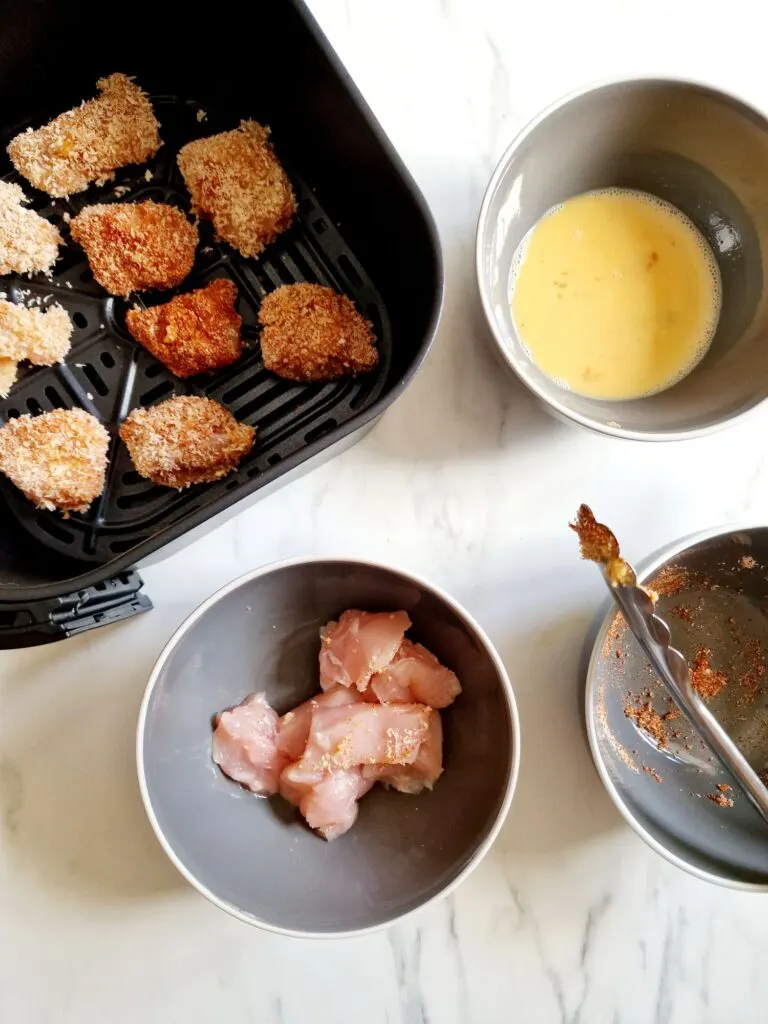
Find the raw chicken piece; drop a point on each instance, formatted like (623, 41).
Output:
(329, 803)
(359, 645)
(415, 675)
(244, 745)
(341, 737)
(423, 773)
(294, 726)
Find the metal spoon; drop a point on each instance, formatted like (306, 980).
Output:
(637, 603)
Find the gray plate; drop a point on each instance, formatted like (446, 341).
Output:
(714, 595)
(254, 857)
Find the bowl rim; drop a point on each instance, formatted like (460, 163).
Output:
(557, 407)
(646, 568)
(506, 688)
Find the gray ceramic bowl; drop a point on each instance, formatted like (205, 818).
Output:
(700, 149)
(714, 589)
(254, 857)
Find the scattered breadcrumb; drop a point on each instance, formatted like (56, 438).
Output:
(650, 721)
(136, 246)
(9, 369)
(57, 459)
(185, 440)
(704, 679)
(311, 333)
(236, 181)
(41, 336)
(747, 562)
(201, 115)
(29, 244)
(121, 190)
(66, 217)
(89, 143)
(193, 333)
(148, 175)
(720, 799)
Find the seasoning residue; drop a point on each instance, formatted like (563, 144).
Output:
(704, 679)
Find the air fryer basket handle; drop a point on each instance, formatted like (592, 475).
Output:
(28, 625)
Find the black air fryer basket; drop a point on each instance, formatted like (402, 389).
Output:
(362, 228)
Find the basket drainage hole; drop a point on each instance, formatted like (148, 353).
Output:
(34, 406)
(107, 359)
(320, 226)
(86, 275)
(153, 370)
(163, 388)
(51, 527)
(93, 378)
(320, 431)
(55, 398)
(349, 270)
(80, 320)
(274, 459)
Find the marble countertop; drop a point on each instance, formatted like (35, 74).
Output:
(571, 918)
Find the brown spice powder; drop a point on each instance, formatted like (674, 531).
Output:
(649, 720)
(705, 680)
(670, 580)
(720, 800)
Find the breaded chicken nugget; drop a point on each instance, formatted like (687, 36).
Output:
(192, 333)
(311, 333)
(58, 459)
(136, 246)
(236, 181)
(90, 142)
(28, 243)
(186, 440)
(41, 336)
(9, 369)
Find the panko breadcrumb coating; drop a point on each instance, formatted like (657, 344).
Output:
(29, 244)
(41, 336)
(9, 369)
(236, 181)
(136, 246)
(185, 440)
(311, 333)
(58, 459)
(192, 333)
(90, 142)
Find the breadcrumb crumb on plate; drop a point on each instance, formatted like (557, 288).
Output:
(185, 440)
(236, 181)
(194, 333)
(41, 336)
(312, 333)
(136, 246)
(29, 244)
(89, 143)
(57, 459)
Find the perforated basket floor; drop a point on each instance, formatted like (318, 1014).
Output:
(108, 373)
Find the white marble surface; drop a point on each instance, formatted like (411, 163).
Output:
(570, 918)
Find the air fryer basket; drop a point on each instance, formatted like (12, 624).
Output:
(362, 228)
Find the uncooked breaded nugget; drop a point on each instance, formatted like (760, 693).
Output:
(236, 181)
(41, 336)
(186, 440)
(311, 333)
(90, 142)
(9, 369)
(29, 244)
(132, 247)
(58, 459)
(192, 333)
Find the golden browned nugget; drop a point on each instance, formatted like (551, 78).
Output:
(41, 336)
(193, 333)
(236, 181)
(311, 333)
(58, 459)
(185, 440)
(132, 247)
(29, 244)
(90, 142)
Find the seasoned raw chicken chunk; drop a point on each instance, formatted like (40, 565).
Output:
(245, 745)
(422, 773)
(359, 645)
(415, 674)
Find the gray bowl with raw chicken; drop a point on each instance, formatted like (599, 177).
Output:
(257, 857)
